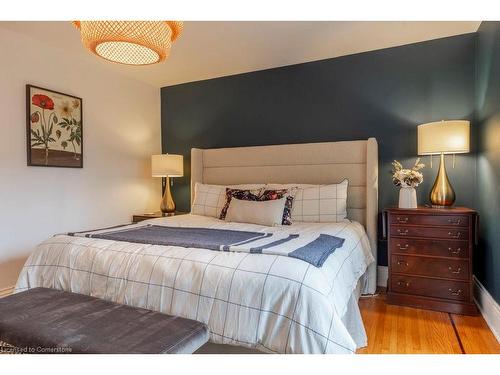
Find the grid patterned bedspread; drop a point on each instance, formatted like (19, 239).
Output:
(268, 302)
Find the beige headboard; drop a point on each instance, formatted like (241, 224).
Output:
(308, 163)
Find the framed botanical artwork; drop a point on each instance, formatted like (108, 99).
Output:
(54, 128)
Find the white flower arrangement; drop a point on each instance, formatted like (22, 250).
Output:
(407, 177)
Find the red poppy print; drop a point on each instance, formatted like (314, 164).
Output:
(54, 124)
(42, 101)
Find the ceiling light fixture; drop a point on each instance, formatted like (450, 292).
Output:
(130, 42)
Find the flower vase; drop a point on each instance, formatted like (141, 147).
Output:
(407, 197)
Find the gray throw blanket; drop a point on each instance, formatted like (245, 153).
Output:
(311, 249)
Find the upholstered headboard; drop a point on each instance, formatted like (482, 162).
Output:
(308, 163)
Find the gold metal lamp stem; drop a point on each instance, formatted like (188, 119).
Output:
(167, 203)
(442, 193)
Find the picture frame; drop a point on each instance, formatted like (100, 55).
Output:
(54, 128)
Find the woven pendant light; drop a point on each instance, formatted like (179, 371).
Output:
(130, 42)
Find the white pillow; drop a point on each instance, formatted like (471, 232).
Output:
(318, 203)
(268, 213)
(209, 199)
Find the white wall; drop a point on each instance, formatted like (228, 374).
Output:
(121, 129)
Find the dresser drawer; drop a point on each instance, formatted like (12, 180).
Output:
(428, 232)
(442, 248)
(452, 290)
(440, 220)
(434, 267)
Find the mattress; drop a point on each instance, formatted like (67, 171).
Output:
(267, 302)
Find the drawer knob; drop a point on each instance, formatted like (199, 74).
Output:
(454, 235)
(402, 219)
(455, 292)
(456, 271)
(404, 283)
(402, 263)
(455, 221)
(403, 232)
(456, 252)
(401, 247)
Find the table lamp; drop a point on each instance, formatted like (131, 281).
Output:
(167, 165)
(440, 138)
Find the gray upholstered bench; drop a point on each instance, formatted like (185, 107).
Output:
(43, 320)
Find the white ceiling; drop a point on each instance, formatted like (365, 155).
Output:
(214, 49)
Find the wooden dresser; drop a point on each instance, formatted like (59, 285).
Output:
(430, 258)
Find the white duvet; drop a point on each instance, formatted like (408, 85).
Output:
(268, 302)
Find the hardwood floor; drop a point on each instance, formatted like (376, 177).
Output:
(405, 330)
(475, 335)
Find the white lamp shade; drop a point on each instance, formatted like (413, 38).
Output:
(167, 165)
(447, 137)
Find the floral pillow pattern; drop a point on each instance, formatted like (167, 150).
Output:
(259, 195)
(246, 195)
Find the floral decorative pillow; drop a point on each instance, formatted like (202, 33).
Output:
(210, 199)
(259, 195)
(246, 195)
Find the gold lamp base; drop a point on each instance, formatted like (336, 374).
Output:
(167, 206)
(442, 193)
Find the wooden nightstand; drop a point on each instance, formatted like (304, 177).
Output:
(154, 215)
(430, 258)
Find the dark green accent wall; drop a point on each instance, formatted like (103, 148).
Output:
(488, 158)
(382, 94)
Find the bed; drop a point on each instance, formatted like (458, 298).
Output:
(264, 302)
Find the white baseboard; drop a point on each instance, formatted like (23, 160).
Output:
(382, 276)
(6, 291)
(489, 308)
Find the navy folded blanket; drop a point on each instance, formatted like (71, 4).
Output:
(315, 251)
